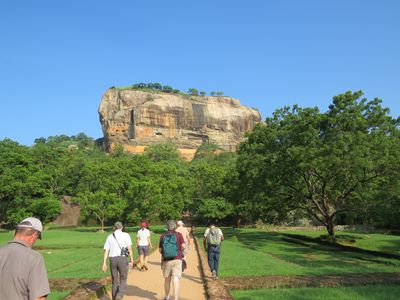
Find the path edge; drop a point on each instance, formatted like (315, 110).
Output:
(215, 289)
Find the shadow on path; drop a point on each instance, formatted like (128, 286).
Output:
(132, 290)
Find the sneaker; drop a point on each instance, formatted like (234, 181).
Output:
(214, 274)
(145, 267)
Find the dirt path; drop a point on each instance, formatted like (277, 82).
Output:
(150, 284)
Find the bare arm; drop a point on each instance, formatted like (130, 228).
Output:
(105, 260)
(131, 256)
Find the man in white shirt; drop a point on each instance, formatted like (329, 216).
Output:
(115, 248)
(143, 244)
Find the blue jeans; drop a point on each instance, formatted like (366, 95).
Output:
(213, 257)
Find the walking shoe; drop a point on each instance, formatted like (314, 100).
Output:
(145, 267)
(214, 274)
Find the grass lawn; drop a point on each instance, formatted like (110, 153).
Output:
(370, 241)
(370, 292)
(252, 252)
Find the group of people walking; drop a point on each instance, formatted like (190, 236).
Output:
(173, 246)
(23, 274)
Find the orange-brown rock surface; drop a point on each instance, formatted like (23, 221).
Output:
(137, 119)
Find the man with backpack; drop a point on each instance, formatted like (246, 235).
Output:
(212, 243)
(171, 246)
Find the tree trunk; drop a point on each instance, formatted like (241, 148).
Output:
(238, 222)
(330, 228)
(102, 225)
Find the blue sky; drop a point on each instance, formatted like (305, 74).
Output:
(57, 58)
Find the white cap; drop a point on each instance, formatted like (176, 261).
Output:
(180, 223)
(31, 223)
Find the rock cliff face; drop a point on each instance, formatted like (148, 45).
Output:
(137, 119)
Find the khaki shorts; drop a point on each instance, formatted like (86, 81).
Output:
(172, 268)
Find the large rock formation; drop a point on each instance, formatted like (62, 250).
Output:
(137, 119)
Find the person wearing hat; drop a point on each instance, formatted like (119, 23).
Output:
(143, 244)
(116, 247)
(185, 233)
(23, 273)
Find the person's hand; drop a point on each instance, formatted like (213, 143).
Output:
(130, 265)
(104, 267)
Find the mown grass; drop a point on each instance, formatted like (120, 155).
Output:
(371, 292)
(251, 252)
(369, 241)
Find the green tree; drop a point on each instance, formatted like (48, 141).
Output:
(101, 204)
(25, 186)
(157, 86)
(193, 91)
(162, 151)
(167, 89)
(319, 162)
(203, 94)
(105, 176)
(214, 209)
(210, 177)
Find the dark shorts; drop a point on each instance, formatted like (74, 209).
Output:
(143, 250)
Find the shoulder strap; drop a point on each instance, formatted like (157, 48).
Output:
(117, 241)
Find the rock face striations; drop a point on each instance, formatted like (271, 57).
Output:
(137, 119)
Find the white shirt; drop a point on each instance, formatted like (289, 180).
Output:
(208, 231)
(142, 236)
(111, 244)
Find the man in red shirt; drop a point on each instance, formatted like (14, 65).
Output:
(171, 246)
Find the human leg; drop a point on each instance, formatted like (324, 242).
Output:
(167, 286)
(146, 256)
(210, 256)
(217, 253)
(114, 277)
(141, 261)
(123, 276)
(176, 287)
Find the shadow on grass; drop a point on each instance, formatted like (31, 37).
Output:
(322, 242)
(310, 253)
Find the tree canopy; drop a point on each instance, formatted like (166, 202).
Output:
(319, 162)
